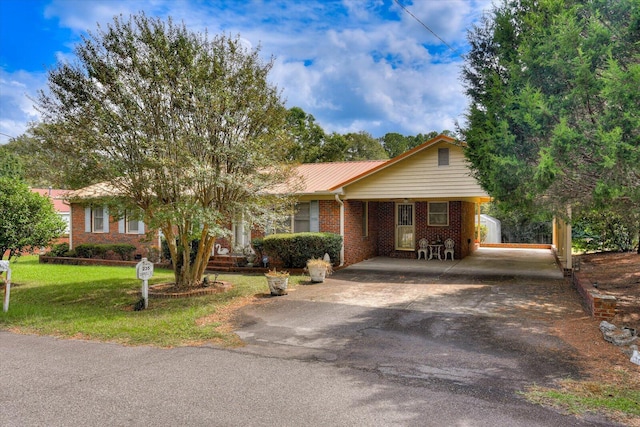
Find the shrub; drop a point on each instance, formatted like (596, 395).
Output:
(123, 251)
(59, 249)
(295, 249)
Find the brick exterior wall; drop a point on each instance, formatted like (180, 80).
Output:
(80, 236)
(381, 236)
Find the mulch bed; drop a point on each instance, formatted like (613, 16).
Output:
(617, 274)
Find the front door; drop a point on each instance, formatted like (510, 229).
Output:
(405, 229)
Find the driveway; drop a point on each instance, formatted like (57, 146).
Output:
(482, 326)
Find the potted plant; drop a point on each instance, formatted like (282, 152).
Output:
(277, 281)
(318, 269)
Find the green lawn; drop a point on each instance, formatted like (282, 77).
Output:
(96, 302)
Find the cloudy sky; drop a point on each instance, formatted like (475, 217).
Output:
(356, 65)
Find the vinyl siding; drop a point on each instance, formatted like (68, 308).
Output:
(420, 177)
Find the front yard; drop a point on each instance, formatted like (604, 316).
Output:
(97, 303)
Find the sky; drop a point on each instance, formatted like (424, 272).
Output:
(355, 65)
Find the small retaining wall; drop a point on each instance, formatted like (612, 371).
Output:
(600, 306)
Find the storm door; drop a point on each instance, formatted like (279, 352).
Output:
(405, 229)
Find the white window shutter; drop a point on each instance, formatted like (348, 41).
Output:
(314, 216)
(105, 211)
(87, 219)
(140, 227)
(121, 228)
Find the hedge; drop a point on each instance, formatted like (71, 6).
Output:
(295, 249)
(105, 251)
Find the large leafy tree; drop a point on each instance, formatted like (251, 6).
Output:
(554, 114)
(183, 126)
(28, 219)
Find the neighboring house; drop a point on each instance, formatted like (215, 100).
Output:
(58, 198)
(381, 208)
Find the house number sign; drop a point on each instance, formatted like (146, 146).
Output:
(144, 272)
(4, 266)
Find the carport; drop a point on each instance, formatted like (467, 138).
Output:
(483, 264)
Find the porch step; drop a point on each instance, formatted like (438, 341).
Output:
(225, 263)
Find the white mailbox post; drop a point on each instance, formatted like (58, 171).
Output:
(144, 272)
(4, 266)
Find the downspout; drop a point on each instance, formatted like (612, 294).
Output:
(341, 228)
(70, 223)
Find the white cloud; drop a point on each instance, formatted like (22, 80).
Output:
(16, 104)
(354, 65)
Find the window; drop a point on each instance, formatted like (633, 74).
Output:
(443, 157)
(302, 218)
(365, 219)
(132, 225)
(97, 219)
(438, 214)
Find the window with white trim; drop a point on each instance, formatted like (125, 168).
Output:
(132, 224)
(302, 217)
(97, 219)
(438, 214)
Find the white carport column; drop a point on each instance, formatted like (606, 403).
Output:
(568, 241)
(341, 227)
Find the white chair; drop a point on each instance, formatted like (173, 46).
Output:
(448, 248)
(423, 246)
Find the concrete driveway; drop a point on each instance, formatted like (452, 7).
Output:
(482, 326)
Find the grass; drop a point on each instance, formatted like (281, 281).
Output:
(618, 398)
(96, 303)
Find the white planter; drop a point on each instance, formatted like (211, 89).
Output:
(317, 274)
(277, 285)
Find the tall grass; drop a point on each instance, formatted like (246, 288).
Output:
(96, 302)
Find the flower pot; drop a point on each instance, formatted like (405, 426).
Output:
(277, 285)
(317, 273)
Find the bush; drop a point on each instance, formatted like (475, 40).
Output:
(295, 249)
(88, 250)
(59, 249)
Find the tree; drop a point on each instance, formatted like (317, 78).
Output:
(28, 219)
(46, 166)
(363, 146)
(307, 135)
(184, 127)
(554, 98)
(11, 165)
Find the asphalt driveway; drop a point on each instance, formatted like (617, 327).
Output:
(482, 326)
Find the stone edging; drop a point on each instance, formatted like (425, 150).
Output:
(600, 306)
(155, 291)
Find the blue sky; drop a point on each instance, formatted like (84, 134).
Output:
(356, 65)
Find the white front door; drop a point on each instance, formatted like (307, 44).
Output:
(405, 229)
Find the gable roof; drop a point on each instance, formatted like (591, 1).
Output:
(412, 152)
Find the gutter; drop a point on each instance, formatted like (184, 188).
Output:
(337, 197)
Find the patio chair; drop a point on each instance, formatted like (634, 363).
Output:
(448, 248)
(423, 246)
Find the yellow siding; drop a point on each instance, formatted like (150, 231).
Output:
(420, 177)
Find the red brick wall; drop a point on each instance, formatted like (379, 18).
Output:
(358, 247)
(79, 236)
(601, 307)
(468, 229)
(329, 216)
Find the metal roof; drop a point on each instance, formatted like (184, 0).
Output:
(321, 177)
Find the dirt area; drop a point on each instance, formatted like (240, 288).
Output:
(617, 274)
